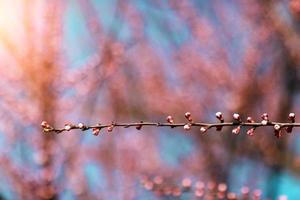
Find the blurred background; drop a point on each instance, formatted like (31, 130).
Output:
(97, 61)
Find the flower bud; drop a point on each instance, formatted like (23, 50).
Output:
(277, 130)
(110, 128)
(292, 117)
(250, 132)
(81, 125)
(188, 116)
(250, 120)
(170, 119)
(187, 127)
(265, 116)
(277, 127)
(44, 124)
(203, 129)
(96, 131)
(236, 130)
(236, 116)
(219, 116)
(68, 127)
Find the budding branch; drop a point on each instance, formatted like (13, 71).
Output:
(237, 123)
(157, 124)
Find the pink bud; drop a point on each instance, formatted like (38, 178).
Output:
(68, 127)
(170, 119)
(44, 124)
(277, 127)
(219, 115)
(96, 131)
(250, 120)
(236, 130)
(265, 116)
(292, 117)
(110, 128)
(203, 129)
(236, 116)
(187, 127)
(81, 125)
(250, 132)
(188, 116)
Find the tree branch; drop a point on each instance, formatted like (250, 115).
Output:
(237, 123)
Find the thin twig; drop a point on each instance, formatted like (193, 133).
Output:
(158, 124)
(237, 123)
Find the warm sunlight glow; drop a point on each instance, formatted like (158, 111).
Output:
(10, 18)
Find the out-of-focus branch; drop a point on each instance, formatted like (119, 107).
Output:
(237, 123)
